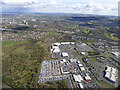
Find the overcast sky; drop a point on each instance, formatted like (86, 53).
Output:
(100, 7)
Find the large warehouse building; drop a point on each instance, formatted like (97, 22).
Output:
(111, 73)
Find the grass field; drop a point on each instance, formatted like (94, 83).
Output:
(21, 63)
(111, 36)
(52, 34)
(9, 43)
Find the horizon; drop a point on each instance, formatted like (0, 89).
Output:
(94, 7)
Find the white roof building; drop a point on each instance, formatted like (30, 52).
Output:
(80, 77)
(111, 73)
(64, 54)
(81, 85)
(107, 75)
(78, 62)
(55, 50)
(117, 54)
(73, 60)
(83, 53)
(114, 70)
(63, 43)
(80, 65)
(64, 60)
(108, 69)
(83, 44)
(87, 78)
(63, 71)
(113, 77)
(77, 78)
(56, 44)
(82, 68)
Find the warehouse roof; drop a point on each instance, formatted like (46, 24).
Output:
(77, 78)
(113, 77)
(56, 44)
(56, 50)
(107, 75)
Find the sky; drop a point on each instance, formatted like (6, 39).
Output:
(100, 7)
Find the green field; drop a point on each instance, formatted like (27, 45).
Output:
(88, 32)
(52, 34)
(9, 43)
(111, 36)
(21, 63)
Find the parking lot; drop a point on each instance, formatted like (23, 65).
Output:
(50, 71)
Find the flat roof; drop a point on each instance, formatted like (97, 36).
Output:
(64, 54)
(83, 53)
(80, 65)
(87, 77)
(57, 44)
(73, 60)
(113, 77)
(56, 50)
(64, 60)
(114, 70)
(107, 74)
(81, 85)
(82, 68)
(108, 69)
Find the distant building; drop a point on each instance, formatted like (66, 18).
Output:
(64, 54)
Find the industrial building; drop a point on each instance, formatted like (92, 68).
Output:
(69, 43)
(111, 73)
(77, 78)
(55, 48)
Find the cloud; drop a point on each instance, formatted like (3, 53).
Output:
(52, 2)
(52, 6)
(19, 1)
